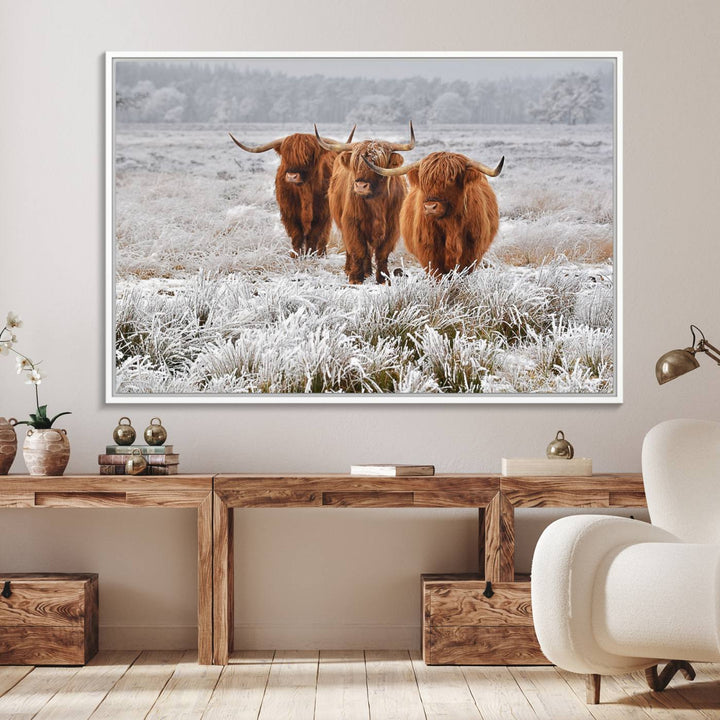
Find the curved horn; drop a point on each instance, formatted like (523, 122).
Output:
(408, 145)
(352, 132)
(258, 148)
(390, 172)
(334, 145)
(485, 169)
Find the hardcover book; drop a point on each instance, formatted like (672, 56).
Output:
(172, 459)
(150, 470)
(547, 467)
(392, 470)
(144, 449)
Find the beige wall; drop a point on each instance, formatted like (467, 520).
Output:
(317, 577)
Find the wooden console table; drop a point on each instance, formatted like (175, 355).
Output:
(92, 491)
(215, 497)
(495, 497)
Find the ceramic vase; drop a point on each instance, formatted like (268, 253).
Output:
(46, 451)
(8, 445)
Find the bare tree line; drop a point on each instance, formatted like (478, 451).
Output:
(201, 93)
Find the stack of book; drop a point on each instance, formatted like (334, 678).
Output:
(160, 459)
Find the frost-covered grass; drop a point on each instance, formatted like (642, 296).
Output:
(210, 301)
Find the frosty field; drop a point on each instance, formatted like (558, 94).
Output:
(209, 302)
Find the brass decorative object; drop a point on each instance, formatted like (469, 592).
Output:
(677, 362)
(155, 433)
(124, 433)
(560, 448)
(136, 463)
(8, 444)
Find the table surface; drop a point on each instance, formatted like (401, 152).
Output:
(443, 490)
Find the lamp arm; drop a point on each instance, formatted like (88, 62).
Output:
(710, 350)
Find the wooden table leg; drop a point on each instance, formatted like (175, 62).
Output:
(499, 540)
(205, 580)
(481, 541)
(223, 581)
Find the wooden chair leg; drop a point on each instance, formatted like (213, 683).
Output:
(592, 689)
(659, 682)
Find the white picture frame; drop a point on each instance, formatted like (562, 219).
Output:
(120, 167)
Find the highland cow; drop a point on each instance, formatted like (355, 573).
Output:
(365, 207)
(301, 187)
(450, 216)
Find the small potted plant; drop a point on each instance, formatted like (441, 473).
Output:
(46, 449)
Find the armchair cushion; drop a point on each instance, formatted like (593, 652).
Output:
(567, 559)
(659, 600)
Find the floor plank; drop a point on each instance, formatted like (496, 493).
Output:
(703, 693)
(290, 691)
(346, 685)
(11, 675)
(549, 694)
(241, 688)
(392, 688)
(444, 692)
(497, 694)
(138, 689)
(251, 657)
(342, 686)
(34, 691)
(666, 705)
(188, 692)
(615, 703)
(88, 687)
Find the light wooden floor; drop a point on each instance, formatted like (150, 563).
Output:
(370, 685)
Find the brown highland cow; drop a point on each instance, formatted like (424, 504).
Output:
(301, 187)
(450, 215)
(365, 207)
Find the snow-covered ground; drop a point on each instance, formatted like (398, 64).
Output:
(209, 301)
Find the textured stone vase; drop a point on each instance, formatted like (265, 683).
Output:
(8, 445)
(46, 452)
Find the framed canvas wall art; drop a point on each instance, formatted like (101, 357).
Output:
(463, 244)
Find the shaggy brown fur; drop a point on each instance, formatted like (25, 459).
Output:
(303, 202)
(450, 215)
(366, 208)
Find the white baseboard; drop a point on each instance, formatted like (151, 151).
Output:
(265, 637)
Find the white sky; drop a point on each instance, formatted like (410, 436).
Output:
(465, 68)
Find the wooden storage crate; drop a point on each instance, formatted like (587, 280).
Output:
(48, 618)
(461, 626)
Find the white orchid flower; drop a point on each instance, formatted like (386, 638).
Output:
(35, 377)
(13, 320)
(23, 364)
(5, 346)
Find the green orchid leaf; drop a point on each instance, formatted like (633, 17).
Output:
(67, 412)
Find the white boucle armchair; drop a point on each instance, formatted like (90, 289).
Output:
(613, 595)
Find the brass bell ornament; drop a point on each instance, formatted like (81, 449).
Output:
(124, 433)
(136, 463)
(560, 448)
(155, 433)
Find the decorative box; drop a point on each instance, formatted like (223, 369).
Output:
(467, 621)
(48, 618)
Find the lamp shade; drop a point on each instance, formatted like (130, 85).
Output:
(675, 363)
